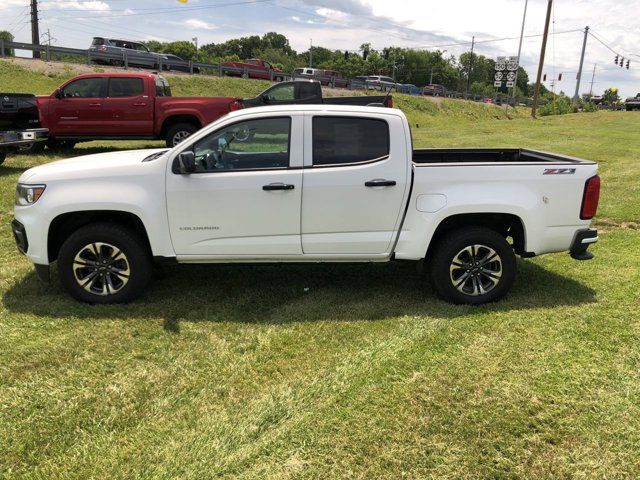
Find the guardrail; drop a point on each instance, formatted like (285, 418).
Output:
(128, 59)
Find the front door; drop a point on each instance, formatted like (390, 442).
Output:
(244, 198)
(80, 109)
(354, 186)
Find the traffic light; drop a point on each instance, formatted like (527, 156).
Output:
(628, 62)
(616, 60)
(622, 62)
(544, 77)
(560, 77)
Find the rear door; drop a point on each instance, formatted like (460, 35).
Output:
(129, 107)
(80, 110)
(356, 177)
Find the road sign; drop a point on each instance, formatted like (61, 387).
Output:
(506, 68)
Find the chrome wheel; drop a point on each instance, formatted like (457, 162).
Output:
(101, 268)
(476, 270)
(180, 136)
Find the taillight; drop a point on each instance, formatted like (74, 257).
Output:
(590, 198)
(389, 103)
(235, 105)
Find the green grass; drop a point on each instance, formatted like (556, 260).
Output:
(339, 371)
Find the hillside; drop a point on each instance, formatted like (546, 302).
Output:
(35, 76)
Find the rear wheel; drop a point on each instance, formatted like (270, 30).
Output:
(104, 263)
(473, 265)
(178, 133)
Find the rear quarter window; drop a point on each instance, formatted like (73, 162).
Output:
(348, 140)
(125, 87)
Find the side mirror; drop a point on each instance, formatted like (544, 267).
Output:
(57, 94)
(186, 162)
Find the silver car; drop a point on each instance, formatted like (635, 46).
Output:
(111, 51)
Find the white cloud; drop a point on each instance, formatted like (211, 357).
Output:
(91, 5)
(200, 24)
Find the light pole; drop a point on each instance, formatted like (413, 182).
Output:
(524, 18)
(543, 50)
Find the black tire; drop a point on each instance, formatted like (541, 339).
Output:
(130, 271)
(3, 155)
(468, 280)
(179, 132)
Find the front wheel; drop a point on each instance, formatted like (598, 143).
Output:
(104, 263)
(473, 265)
(178, 133)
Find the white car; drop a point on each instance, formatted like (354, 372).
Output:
(304, 183)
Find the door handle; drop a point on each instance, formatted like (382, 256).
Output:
(95, 104)
(278, 186)
(139, 104)
(380, 182)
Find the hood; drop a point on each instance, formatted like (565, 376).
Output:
(110, 164)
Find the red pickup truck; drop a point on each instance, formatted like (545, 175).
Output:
(255, 68)
(125, 106)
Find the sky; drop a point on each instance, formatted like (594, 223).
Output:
(346, 24)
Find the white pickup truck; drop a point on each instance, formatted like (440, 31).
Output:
(304, 184)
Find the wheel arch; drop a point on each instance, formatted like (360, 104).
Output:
(65, 224)
(506, 224)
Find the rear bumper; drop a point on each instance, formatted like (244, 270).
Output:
(581, 241)
(23, 137)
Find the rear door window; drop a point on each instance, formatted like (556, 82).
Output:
(307, 91)
(349, 140)
(125, 87)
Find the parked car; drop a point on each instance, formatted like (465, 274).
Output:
(325, 77)
(310, 92)
(19, 124)
(103, 50)
(323, 183)
(409, 89)
(434, 90)
(378, 82)
(632, 103)
(175, 63)
(255, 68)
(126, 106)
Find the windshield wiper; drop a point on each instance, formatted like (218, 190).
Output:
(153, 156)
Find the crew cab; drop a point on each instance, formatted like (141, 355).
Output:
(310, 92)
(314, 183)
(254, 68)
(126, 106)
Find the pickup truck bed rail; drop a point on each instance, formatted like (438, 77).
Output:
(490, 155)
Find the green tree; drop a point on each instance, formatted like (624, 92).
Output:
(7, 36)
(183, 49)
(611, 97)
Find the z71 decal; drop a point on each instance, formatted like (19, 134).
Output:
(559, 171)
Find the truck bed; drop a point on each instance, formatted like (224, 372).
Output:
(490, 155)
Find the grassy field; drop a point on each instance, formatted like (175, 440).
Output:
(338, 371)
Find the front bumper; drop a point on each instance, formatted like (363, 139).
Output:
(581, 242)
(20, 236)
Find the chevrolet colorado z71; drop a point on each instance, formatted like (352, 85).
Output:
(304, 183)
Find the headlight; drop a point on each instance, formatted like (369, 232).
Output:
(28, 194)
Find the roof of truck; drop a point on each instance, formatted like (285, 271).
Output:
(318, 108)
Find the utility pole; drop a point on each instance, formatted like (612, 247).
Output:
(524, 18)
(543, 50)
(35, 31)
(473, 42)
(576, 96)
(310, 52)
(593, 76)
